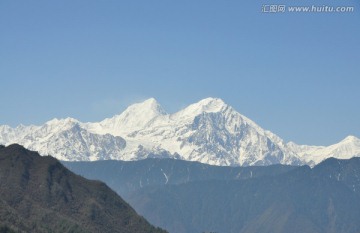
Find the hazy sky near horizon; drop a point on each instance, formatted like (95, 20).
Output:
(295, 74)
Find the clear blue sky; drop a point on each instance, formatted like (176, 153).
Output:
(295, 74)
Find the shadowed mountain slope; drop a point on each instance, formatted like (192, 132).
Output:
(190, 197)
(38, 194)
(299, 201)
(126, 177)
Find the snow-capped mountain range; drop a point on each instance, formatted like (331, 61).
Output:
(208, 131)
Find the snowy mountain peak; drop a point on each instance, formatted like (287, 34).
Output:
(67, 120)
(350, 145)
(149, 106)
(207, 105)
(150, 101)
(312, 155)
(58, 124)
(350, 139)
(134, 118)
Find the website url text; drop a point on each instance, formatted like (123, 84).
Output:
(306, 9)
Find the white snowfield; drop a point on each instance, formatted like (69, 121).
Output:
(209, 131)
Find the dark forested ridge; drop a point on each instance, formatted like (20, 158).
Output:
(187, 197)
(38, 194)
